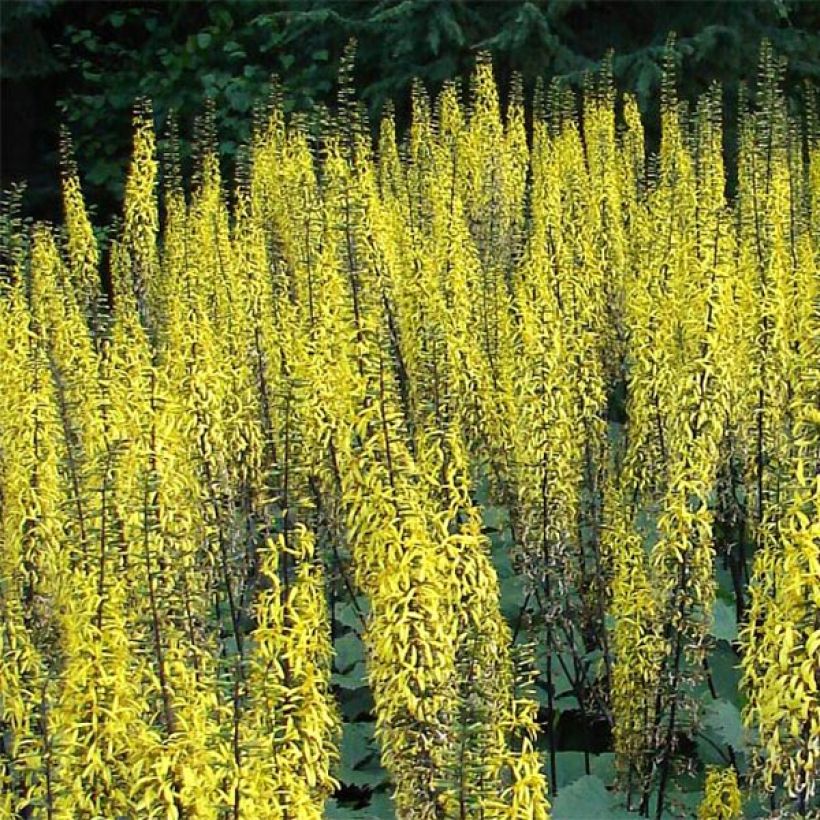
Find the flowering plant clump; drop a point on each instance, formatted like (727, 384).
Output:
(436, 445)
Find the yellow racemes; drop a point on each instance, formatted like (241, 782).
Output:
(312, 381)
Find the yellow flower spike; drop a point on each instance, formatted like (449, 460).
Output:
(721, 799)
(135, 278)
(83, 254)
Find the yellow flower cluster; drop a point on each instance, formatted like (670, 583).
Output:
(721, 799)
(782, 642)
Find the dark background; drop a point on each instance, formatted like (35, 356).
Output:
(84, 63)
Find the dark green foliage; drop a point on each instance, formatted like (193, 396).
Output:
(86, 62)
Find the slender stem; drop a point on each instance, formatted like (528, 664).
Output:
(237, 748)
(47, 752)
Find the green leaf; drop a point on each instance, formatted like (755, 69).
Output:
(707, 753)
(501, 558)
(371, 774)
(360, 763)
(116, 19)
(203, 39)
(512, 597)
(494, 517)
(586, 798)
(724, 621)
(723, 664)
(723, 718)
(238, 98)
(347, 614)
(355, 703)
(570, 767)
(349, 651)
(482, 490)
(679, 803)
(356, 747)
(756, 807)
(353, 679)
(381, 807)
(564, 693)
(335, 811)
